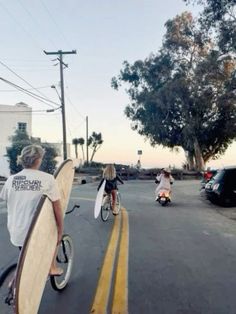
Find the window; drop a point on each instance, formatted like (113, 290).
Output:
(22, 126)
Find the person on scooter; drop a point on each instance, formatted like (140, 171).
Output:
(165, 180)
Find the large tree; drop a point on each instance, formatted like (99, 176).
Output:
(183, 95)
(220, 16)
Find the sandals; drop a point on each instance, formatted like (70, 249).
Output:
(9, 300)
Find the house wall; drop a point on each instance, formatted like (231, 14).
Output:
(10, 118)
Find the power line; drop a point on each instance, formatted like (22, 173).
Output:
(6, 66)
(25, 60)
(55, 114)
(34, 20)
(33, 95)
(55, 23)
(32, 69)
(77, 128)
(67, 97)
(24, 111)
(12, 17)
(3, 64)
(28, 89)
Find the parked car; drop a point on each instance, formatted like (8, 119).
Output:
(221, 189)
(207, 176)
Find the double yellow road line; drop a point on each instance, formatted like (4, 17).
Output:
(116, 258)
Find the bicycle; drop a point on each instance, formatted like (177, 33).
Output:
(64, 259)
(106, 207)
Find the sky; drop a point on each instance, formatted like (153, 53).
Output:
(104, 33)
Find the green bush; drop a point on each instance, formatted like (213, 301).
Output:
(19, 141)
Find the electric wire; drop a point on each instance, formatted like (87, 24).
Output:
(73, 105)
(35, 96)
(7, 67)
(22, 111)
(28, 89)
(54, 21)
(35, 21)
(83, 118)
(15, 20)
(68, 98)
(55, 114)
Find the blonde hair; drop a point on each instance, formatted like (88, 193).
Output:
(29, 155)
(109, 172)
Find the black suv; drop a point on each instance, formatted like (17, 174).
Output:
(221, 189)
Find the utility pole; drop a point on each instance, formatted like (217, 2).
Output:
(87, 155)
(60, 53)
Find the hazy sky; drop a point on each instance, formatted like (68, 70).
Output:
(104, 33)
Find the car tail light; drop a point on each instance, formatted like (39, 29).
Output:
(215, 186)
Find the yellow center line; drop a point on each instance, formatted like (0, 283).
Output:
(104, 284)
(120, 297)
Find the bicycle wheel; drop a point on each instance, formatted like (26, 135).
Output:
(118, 202)
(7, 287)
(65, 258)
(105, 210)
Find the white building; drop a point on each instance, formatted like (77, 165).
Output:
(12, 118)
(18, 117)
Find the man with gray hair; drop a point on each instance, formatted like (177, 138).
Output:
(22, 192)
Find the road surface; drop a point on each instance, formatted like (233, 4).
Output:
(179, 259)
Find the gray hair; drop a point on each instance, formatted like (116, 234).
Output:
(29, 155)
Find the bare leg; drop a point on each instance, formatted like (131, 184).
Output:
(54, 269)
(113, 193)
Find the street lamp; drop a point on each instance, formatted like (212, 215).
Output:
(54, 87)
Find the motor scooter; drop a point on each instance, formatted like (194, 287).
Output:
(164, 197)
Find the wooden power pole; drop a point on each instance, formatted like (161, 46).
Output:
(60, 54)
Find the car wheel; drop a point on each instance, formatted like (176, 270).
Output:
(226, 201)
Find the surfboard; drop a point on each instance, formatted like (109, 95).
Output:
(39, 247)
(98, 201)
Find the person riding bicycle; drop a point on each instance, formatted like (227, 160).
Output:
(109, 174)
(164, 181)
(22, 192)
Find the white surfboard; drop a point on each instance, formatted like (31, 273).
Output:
(98, 202)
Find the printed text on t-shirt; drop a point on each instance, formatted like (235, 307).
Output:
(20, 183)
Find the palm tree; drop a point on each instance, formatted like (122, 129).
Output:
(75, 142)
(95, 141)
(81, 143)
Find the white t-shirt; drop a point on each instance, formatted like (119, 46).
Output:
(164, 182)
(22, 193)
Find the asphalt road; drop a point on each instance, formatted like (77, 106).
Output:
(182, 258)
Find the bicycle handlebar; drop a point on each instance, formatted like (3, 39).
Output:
(73, 208)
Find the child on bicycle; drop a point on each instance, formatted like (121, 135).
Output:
(22, 192)
(109, 174)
